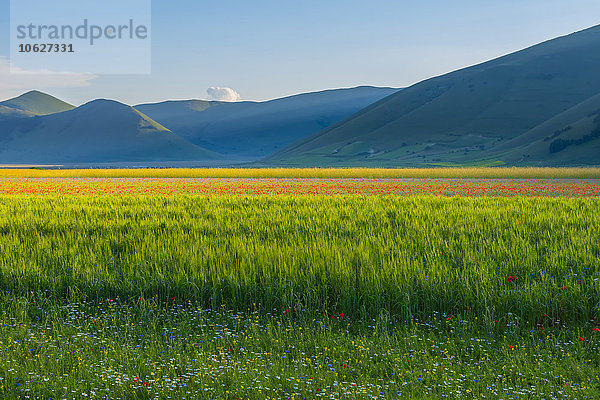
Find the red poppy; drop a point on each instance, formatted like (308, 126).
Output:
(596, 329)
(495, 321)
(512, 278)
(286, 312)
(146, 384)
(136, 379)
(345, 365)
(510, 347)
(580, 339)
(341, 315)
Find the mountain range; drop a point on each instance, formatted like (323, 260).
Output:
(252, 130)
(536, 107)
(513, 110)
(36, 128)
(99, 131)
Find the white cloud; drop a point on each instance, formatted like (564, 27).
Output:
(17, 81)
(223, 94)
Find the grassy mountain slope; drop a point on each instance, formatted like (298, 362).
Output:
(570, 138)
(99, 131)
(459, 118)
(33, 103)
(256, 129)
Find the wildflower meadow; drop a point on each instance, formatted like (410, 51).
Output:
(299, 287)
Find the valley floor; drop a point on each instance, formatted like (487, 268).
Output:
(256, 287)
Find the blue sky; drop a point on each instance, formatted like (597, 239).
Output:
(265, 49)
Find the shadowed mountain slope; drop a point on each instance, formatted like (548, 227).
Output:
(464, 116)
(255, 129)
(570, 138)
(99, 131)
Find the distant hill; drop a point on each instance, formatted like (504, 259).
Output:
(470, 116)
(253, 130)
(31, 104)
(99, 131)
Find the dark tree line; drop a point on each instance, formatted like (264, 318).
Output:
(561, 144)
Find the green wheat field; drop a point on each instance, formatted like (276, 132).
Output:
(179, 296)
